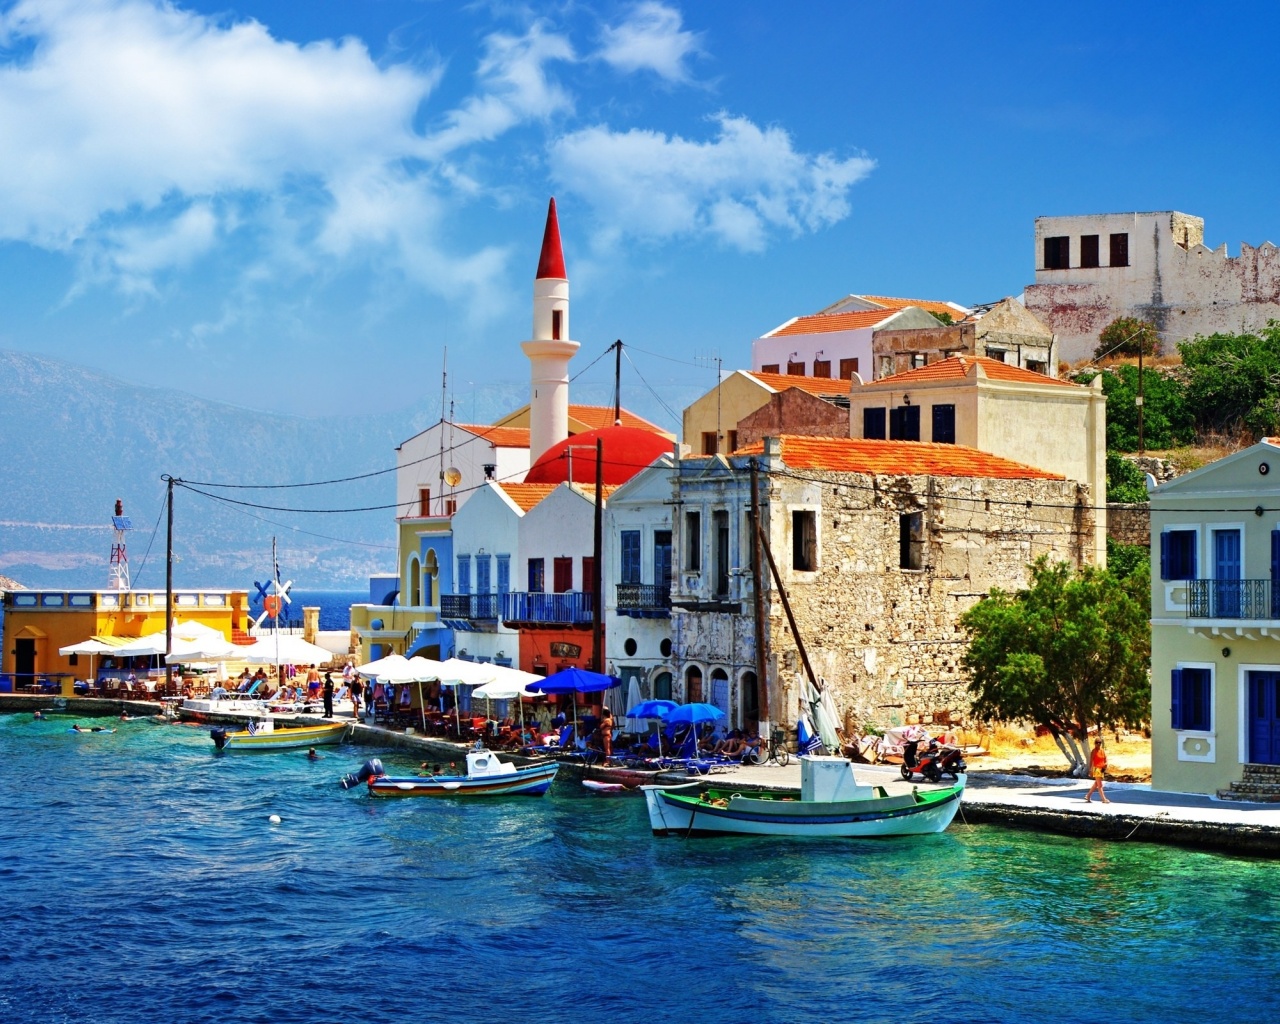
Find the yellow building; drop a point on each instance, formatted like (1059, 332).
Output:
(996, 407)
(1215, 622)
(39, 622)
(711, 422)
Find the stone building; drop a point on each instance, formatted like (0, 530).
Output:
(710, 423)
(1005, 330)
(1092, 269)
(882, 545)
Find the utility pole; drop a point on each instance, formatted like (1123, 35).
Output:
(617, 383)
(1142, 343)
(168, 588)
(757, 580)
(597, 568)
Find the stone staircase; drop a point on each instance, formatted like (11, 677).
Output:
(1260, 784)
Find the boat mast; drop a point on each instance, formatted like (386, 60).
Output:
(168, 588)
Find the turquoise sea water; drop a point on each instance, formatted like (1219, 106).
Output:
(140, 880)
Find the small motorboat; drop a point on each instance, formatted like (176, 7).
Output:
(829, 802)
(486, 776)
(265, 736)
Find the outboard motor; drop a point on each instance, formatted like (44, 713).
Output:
(219, 737)
(371, 769)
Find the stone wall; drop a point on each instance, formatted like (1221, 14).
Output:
(1129, 523)
(794, 412)
(886, 639)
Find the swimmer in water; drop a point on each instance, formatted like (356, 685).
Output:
(94, 728)
(38, 716)
(312, 755)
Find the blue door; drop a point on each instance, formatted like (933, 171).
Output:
(1226, 574)
(1264, 717)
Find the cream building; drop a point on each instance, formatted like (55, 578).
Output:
(1215, 623)
(710, 423)
(1092, 269)
(995, 407)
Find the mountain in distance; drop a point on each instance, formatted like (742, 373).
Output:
(78, 439)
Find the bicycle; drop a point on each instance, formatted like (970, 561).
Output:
(775, 753)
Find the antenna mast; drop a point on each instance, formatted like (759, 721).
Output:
(118, 576)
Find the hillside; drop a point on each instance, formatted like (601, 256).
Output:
(77, 439)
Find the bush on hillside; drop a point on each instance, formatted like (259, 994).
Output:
(1127, 336)
(1167, 418)
(1125, 481)
(1233, 381)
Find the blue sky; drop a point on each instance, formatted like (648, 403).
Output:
(297, 205)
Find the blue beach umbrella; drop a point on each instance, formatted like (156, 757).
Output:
(693, 714)
(653, 709)
(574, 680)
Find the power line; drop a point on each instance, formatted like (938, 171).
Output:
(232, 506)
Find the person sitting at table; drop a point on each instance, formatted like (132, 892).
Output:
(218, 692)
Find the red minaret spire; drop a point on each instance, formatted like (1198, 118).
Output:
(551, 261)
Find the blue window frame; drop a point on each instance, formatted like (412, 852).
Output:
(1178, 555)
(483, 563)
(630, 556)
(504, 574)
(944, 424)
(873, 424)
(464, 574)
(537, 575)
(1191, 699)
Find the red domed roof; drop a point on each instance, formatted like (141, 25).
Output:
(627, 450)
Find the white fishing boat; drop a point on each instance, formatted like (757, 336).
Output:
(829, 802)
(487, 775)
(265, 736)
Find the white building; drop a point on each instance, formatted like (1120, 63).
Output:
(425, 485)
(637, 573)
(1155, 266)
(837, 341)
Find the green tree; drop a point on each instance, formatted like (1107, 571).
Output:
(1127, 336)
(1125, 481)
(946, 318)
(1167, 418)
(1071, 652)
(1233, 380)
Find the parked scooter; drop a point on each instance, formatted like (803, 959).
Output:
(933, 762)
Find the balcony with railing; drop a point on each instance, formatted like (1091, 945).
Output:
(572, 608)
(1232, 599)
(471, 611)
(644, 600)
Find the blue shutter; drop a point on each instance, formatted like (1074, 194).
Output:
(483, 564)
(1175, 699)
(1166, 546)
(630, 556)
(504, 574)
(464, 574)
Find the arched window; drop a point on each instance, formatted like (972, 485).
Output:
(662, 686)
(749, 699)
(413, 577)
(692, 684)
(430, 573)
(719, 695)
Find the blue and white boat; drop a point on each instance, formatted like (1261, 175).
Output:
(487, 775)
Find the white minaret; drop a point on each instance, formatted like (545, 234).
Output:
(550, 349)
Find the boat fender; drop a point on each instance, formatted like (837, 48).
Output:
(369, 771)
(219, 737)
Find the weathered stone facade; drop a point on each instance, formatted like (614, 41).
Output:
(796, 412)
(1129, 523)
(884, 637)
(1092, 269)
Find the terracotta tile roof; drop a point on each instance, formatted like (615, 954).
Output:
(929, 305)
(597, 416)
(813, 385)
(588, 491)
(957, 368)
(824, 323)
(898, 458)
(526, 496)
(501, 437)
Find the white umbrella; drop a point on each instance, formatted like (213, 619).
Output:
(508, 684)
(633, 695)
(89, 647)
(213, 648)
(375, 669)
(409, 670)
(276, 650)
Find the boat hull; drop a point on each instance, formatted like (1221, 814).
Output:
(672, 811)
(531, 781)
(287, 739)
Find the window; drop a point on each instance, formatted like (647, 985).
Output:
(822, 367)
(557, 322)
(693, 684)
(504, 574)
(911, 540)
(450, 506)
(662, 561)
(630, 556)
(848, 367)
(720, 527)
(1038, 367)
(733, 441)
(804, 541)
(1120, 250)
(630, 646)
(919, 360)
(537, 575)
(708, 442)
(873, 424)
(1057, 253)
(769, 368)
(693, 541)
(562, 575)
(1178, 555)
(944, 424)
(795, 369)
(424, 501)
(997, 354)
(886, 367)
(904, 423)
(483, 577)
(1088, 250)
(588, 574)
(1191, 699)
(464, 574)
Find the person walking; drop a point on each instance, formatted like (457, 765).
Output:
(1098, 769)
(357, 689)
(328, 695)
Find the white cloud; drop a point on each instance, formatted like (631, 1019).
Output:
(651, 38)
(737, 188)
